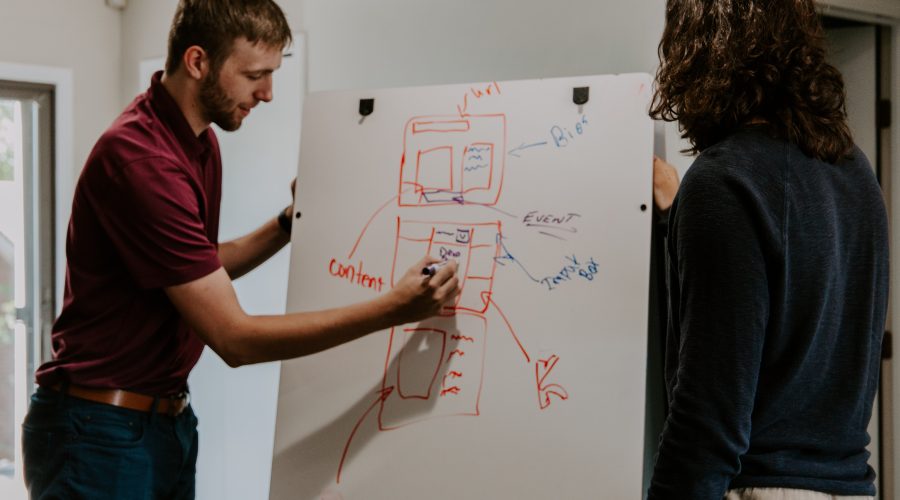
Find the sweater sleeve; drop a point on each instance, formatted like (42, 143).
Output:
(720, 305)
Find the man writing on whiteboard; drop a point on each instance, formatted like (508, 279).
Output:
(148, 284)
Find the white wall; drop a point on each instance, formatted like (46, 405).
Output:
(396, 43)
(391, 43)
(145, 27)
(80, 40)
(81, 35)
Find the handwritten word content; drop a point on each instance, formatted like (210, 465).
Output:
(355, 275)
(562, 136)
(574, 269)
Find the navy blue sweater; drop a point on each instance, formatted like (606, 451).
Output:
(778, 283)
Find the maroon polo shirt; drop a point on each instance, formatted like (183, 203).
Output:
(145, 216)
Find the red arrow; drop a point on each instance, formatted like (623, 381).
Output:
(383, 395)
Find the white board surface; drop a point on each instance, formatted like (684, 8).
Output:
(532, 385)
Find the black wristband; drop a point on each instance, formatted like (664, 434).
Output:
(285, 221)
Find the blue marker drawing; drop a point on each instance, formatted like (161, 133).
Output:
(523, 146)
(552, 235)
(586, 270)
(574, 268)
(561, 136)
(443, 196)
(505, 257)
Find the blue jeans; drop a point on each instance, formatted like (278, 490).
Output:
(73, 448)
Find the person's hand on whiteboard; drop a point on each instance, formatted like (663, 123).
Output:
(418, 295)
(665, 184)
(288, 210)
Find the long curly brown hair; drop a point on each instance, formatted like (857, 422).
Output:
(727, 63)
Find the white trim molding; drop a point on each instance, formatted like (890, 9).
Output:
(63, 129)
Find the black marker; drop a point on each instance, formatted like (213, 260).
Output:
(433, 268)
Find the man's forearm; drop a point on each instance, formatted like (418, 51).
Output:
(242, 255)
(210, 306)
(273, 338)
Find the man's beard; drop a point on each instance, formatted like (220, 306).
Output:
(216, 106)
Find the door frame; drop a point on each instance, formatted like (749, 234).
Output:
(885, 13)
(63, 158)
(48, 180)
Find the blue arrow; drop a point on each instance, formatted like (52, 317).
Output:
(525, 146)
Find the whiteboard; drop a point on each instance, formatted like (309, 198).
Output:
(532, 384)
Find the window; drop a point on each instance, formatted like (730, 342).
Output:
(26, 260)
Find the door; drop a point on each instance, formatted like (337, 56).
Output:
(854, 48)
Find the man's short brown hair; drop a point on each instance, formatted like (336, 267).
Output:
(214, 25)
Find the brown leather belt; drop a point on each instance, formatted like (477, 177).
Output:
(166, 405)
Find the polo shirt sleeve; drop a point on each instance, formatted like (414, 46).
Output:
(723, 307)
(154, 216)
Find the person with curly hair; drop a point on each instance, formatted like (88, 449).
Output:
(778, 262)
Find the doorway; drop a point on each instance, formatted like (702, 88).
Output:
(861, 52)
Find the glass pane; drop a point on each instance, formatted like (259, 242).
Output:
(11, 239)
(7, 135)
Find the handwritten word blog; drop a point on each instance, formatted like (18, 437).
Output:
(355, 275)
(562, 136)
(574, 269)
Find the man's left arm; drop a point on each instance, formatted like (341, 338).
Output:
(241, 255)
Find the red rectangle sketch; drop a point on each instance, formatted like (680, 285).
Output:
(474, 247)
(422, 353)
(441, 126)
(433, 369)
(476, 160)
(434, 169)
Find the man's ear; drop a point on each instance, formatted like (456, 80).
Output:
(196, 62)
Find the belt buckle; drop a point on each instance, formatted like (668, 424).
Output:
(178, 402)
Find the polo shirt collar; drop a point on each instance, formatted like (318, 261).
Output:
(167, 109)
